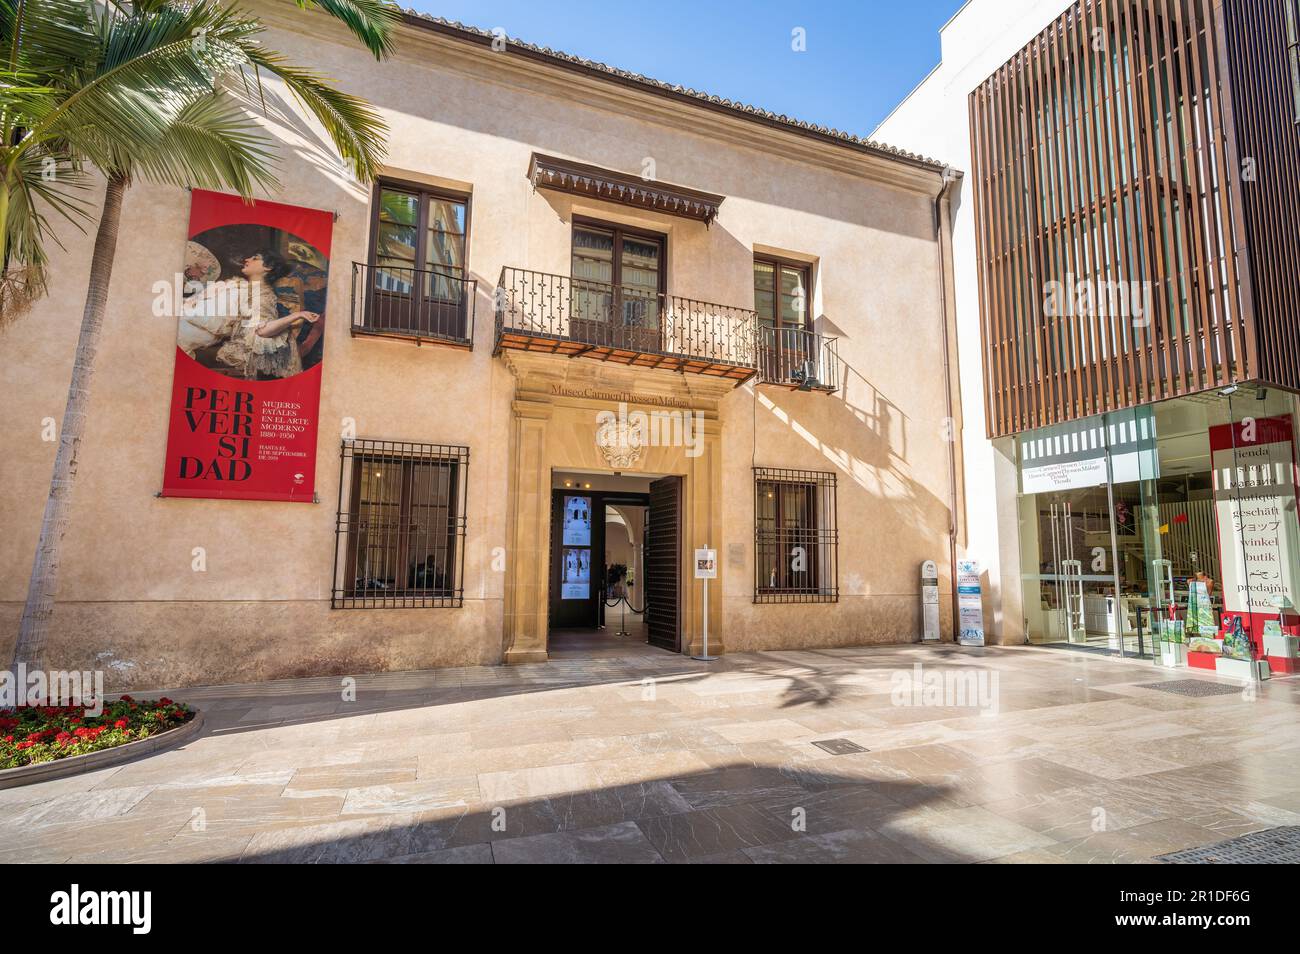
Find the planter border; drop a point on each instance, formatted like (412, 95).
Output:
(91, 761)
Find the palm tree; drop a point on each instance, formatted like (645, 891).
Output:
(157, 90)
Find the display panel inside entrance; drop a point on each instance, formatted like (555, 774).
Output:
(575, 569)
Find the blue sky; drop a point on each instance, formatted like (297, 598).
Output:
(862, 56)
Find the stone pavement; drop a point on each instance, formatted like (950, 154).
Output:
(631, 755)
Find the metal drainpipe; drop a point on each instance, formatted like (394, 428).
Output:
(947, 177)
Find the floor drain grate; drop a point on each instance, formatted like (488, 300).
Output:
(1193, 687)
(1276, 846)
(839, 746)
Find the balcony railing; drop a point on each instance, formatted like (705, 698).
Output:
(415, 303)
(796, 358)
(536, 311)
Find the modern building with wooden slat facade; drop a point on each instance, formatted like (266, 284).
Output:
(1127, 244)
(1135, 167)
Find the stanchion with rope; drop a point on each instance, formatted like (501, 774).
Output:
(622, 626)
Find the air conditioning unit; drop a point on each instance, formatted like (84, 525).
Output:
(806, 376)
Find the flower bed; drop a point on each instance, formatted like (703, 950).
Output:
(34, 734)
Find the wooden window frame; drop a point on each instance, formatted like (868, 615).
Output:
(620, 230)
(806, 274)
(419, 313)
(424, 191)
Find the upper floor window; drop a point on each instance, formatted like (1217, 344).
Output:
(781, 293)
(618, 277)
(418, 280)
(789, 352)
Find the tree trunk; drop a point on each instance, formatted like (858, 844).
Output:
(32, 634)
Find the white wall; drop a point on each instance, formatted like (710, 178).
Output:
(934, 121)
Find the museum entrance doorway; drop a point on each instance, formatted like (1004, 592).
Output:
(615, 564)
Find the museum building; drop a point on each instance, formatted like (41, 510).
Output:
(586, 337)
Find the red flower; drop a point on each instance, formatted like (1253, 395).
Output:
(164, 701)
(127, 699)
(24, 745)
(120, 724)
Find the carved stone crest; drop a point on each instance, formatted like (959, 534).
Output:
(620, 445)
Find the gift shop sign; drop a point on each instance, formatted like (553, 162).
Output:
(1255, 507)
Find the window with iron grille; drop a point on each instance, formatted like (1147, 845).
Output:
(796, 543)
(400, 536)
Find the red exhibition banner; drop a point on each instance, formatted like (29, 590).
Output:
(250, 342)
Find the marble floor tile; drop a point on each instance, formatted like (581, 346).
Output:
(714, 830)
(623, 843)
(964, 834)
(362, 839)
(736, 785)
(1069, 814)
(480, 854)
(340, 779)
(848, 846)
(646, 756)
(411, 797)
(1138, 844)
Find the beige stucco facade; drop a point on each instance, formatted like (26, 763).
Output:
(173, 591)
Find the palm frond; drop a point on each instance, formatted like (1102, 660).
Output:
(150, 89)
(371, 21)
(212, 144)
(357, 130)
(145, 70)
(38, 184)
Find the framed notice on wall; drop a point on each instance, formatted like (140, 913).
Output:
(250, 343)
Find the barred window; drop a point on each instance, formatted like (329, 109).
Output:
(400, 536)
(796, 542)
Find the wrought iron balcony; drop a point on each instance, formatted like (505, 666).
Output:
(536, 311)
(414, 303)
(799, 359)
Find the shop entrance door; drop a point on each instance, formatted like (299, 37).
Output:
(1075, 573)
